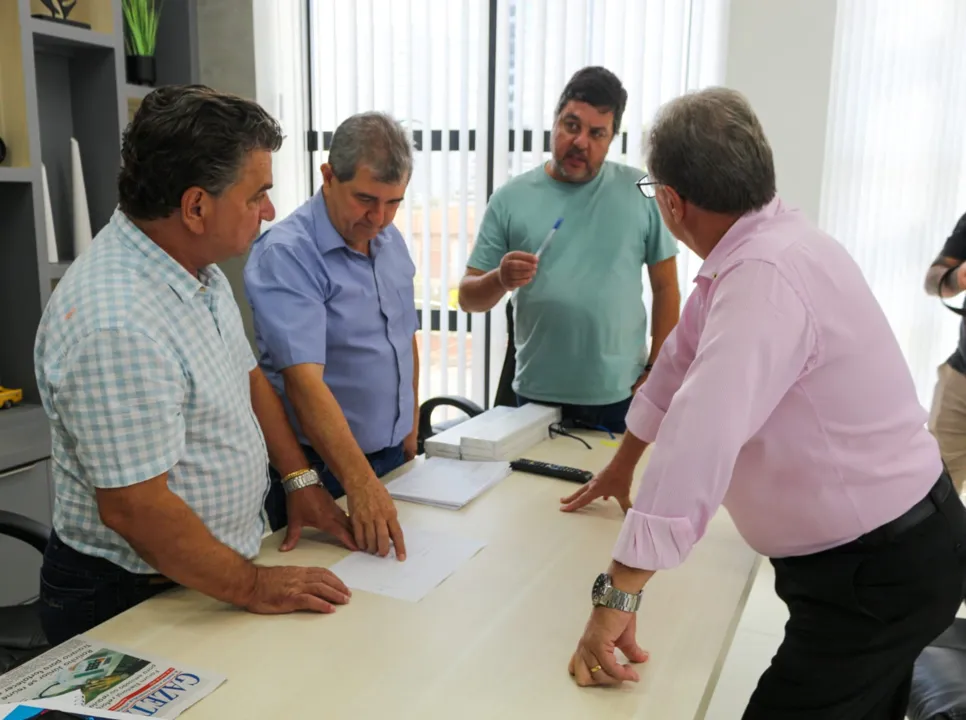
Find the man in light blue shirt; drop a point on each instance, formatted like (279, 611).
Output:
(579, 319)
(162, 423)
(331, 290)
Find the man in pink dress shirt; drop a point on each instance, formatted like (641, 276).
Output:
(783, 395)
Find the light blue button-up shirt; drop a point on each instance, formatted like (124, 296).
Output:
(144, 369)
(316, 300)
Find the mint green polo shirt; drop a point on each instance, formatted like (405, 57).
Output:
(580, 325)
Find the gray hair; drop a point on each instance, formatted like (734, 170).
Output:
(375, 140)
(186, 136)
(710, 148)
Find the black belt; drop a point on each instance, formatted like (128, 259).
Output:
(926, 507)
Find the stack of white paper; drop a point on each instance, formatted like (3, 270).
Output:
(430, 558)
(447, 483)
(512, 435)
(447, 443)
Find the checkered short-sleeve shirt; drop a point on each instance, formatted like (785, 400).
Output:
(144, 369)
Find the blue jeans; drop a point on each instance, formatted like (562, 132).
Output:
(591, 417)
(382, 463)
(78, 592)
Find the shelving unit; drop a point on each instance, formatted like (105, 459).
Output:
(57, 270)
(57, 82)
(136, 92)
(16, 174)
(54, 35)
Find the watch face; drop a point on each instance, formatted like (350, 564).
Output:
(601, 585)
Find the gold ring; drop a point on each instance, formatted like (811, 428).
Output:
(595, 668)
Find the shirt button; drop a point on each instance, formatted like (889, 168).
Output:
(203, 289)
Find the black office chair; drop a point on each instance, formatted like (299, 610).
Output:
(426, 427)
(504, 395)
(504, 391)
(21, 637)
(939, 678)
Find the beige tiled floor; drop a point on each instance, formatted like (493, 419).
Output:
(756, 640)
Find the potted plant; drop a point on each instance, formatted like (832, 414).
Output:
(141, 19)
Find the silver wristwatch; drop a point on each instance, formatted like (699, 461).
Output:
(303, 480)
(606, 595)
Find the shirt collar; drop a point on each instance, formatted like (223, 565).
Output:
(162, 266)
(735, 238)
(327, 238)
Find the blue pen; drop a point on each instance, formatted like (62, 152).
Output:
(546, 240)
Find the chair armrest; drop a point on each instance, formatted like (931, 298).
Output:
(24, 529)
(427, 408)
(939, 679)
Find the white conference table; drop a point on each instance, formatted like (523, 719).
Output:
(492, 641)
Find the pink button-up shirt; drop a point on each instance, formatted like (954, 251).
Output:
(782, 394)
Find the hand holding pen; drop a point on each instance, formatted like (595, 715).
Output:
(518, 268)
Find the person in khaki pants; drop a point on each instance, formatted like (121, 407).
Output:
(946, 278)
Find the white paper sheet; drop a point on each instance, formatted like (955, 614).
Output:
(447, 483)
(431, 557)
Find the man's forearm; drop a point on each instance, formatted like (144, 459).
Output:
(480, 293)
(628, 579)
(666, 311)
(169, 536)
(284, 451)
(629, 452)
(933, 278)
(325, 425)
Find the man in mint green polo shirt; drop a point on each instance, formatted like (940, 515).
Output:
(580, 321)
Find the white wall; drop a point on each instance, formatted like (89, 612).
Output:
(780, 56)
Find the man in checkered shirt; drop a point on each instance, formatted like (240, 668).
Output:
(162, 422)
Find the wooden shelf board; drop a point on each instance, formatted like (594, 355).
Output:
(137, 92)
(16, 174)
(52, 34)
(57, 270)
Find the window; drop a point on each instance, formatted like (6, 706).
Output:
(428, 63)
(895, 162)
(281, 85)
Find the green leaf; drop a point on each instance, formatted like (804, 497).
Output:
(141, 20)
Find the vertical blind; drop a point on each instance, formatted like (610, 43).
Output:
(428, 63)
(895, 164)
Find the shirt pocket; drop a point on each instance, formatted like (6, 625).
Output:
(398, 301)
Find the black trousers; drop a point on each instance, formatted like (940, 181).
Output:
(78, 592)
(860, 614)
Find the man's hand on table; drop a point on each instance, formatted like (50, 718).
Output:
(613, 481)
(279, 590)
(374, 522)
(594, 662)
(314, 507)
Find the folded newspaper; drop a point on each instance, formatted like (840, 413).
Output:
(109, 678)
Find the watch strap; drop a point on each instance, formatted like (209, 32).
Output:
(298, 480)
(620, 600)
